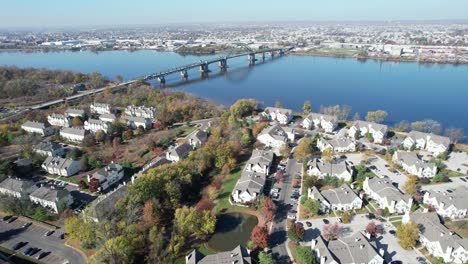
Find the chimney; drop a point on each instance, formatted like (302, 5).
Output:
(361, 246)
(441, 234)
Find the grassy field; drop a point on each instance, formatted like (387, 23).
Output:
(72, 179)
(186, 130)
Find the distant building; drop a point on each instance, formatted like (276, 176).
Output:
(453, 205)
(78, 87)
(342, 199)
(110, 118)
(42, 129)
(49, 148)
(72, 134)
(61, 166)
(282, 115)
(140, 111)
(410, 162)
(178, 152)
(314, 120)
(59, 120)
(51, 198)
(340, 169)
(433, 143)
(72, 112)
(239, 255)
(337, 145)
(362, 128)
(386, 195)
(135, 122)
(98, 108)
(96, 125)
(17, 187)
(108, 175)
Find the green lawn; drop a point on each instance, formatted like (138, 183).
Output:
(186, 130)
(227, 187)
(71, 179)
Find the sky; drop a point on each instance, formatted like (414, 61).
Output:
(65, 13)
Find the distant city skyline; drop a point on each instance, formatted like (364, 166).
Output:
(54, 13)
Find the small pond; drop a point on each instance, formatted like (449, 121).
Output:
(232, 229)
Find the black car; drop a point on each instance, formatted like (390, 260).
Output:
(42, 255)
(6, 217)
(309, 224)
(12, 219)
(392, 232)
(48, 233)
(463, 179)
(396, 262)
(19, 245)
(27, 224)
(370, 216)
(325, 221)
(28, 251)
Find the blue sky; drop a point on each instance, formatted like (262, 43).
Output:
(64, 13)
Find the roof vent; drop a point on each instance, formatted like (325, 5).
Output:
(361, 246)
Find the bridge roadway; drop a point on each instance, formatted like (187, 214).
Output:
(145, 78)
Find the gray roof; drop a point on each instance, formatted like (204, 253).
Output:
(16, 184)
(74, 111)
(341, 142)
(341, 195)
(375, 126)
(239, 255)
(431, 228)
(49, 194)
(261, 157)
(58, 116)
(458, 197)
(107, 116)
(416, 135)
(73, 131)
(181, 150)
(384, 188)
(47, 146)
(35, 124)
(103, 207)
(199, 136)
(322, 247)
(109, 170)
(96, 121)
(336, 167)
(354, 249)
(410, 159)
(250, 182)
(275, 131)
(328, 118)
(283, 111)
(57, 162)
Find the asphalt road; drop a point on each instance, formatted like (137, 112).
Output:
(12, 233)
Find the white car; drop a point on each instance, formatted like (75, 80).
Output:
(291, 216)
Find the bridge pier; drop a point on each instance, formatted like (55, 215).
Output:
(162, 80)
(263, 56)
(272, 54)
(281, 52)
(222, 64)
(251, 58)
(184, 74)
(204, 68)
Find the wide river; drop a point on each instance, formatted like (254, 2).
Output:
(407, 91)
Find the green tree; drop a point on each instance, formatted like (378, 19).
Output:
(307, 108)
(376, 116)
(264, 258)
(304, 255)
(312, 205)
(408, 235)
(304, 148)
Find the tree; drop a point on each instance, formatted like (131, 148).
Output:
(346, 217)
(356, 116)
(258, 127)
(402, 126)
(327, 154)
(307, 108)
(376, 116)
(77, 122)
(128, 134)
(371, 228)
(157, 252)
(304, 148)
(268, 209)
(331, 231)
(94, 185)
(259, 236)
(455, 134)
(304, 255)
(310, 181)
(427, 126)
(278, 104)
(279, 176)
(264, 258)
(312, 205)
(285, 150)
(410, 185)
(118, 79)
(408, 235)
(100, 136)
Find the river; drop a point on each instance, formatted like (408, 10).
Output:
(407, 91)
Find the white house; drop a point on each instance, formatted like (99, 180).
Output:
(101, 108)
(49, 148)
(439, 241)
(276, 136)
(95, 125)
(197, 138)
(61, 166)
(362, 128)
(140, 111)
(337, 168)
(59, 120)
(72, 134)
(315, 120)
(338, 145)
(410, 162)
(433, 143)
(135, 122)
(355, 249)
(260, 161)
(386, 195)
(17, 187)
(178, 152)
(51, 198)
(282, 115)
(108, 175)
(110, 118)
(73, 112)
(43, 129)
(342, 199)
(249, 187)
(453, 205)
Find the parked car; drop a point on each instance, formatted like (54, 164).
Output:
(325, 221)
(6, 218)
(396, 262)
(421, 260)
(463, 179)
(291, 216)
(28, 251)
(48, 233)
(392, 232)
(19, 245)
(308, 224)
(42, 255)
(27, 224)
(12, 219)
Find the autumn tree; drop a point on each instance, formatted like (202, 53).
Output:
(307, 108)
(346, 217)
(371, 228)
(268, 209)
(304, 148)
(376, 116)
(258, 127)
(285, 150)
(279, 176)
(427, 126)
(118, 79)
(278, 104)
(410, 185)
(331, 231)
(77, 122)
(455, 134)
(312, 205)
(94, 185)
(157, 252)
(259, 236)
(100, 136)
(408, 235)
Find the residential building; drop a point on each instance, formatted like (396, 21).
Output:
(140, 111)
(386, 195)
(51, 198)
(337, 145)
(433, 143)
(276, 136)
(453, 205)
(73, 112)
(96, 125)
(17, 187)
(49, 148)
(110, 118)
(410, 162)
(178, 152)
(43, 129)
(197, 138)
(355, 249)
(72, 134)
(439, 241)
(135, 122)
(108, 175)
(61, 166)
(260, 161)
(239, 255)
(315, 120)
(337, 168)
(281, 115)
(59, 120)
(98, 108)
(362, 128)
(103, 207)
(249, 187)
(342, 199)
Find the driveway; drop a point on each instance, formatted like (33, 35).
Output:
(383, 171)
(393, 251)
(455, 183)
(12, 233)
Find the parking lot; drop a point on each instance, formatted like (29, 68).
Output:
(12, 233)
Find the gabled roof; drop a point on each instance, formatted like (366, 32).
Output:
(275, 131)
(49, 194)
(411, 159)
(74, 111)
(336, 167)
(250, 182)
(378, 127)
(283, 111)
(34, 124)
(354, 249)
(239, 255)
(181, 150)
(341, 142)
(440, 140)
(458, 198)
(47, 146)
(109, 170)
(261, 157)
(57, 116)
(328, 118)
(341, 195)
(16, 184)
(73, 131)
(198, 136)
(103, 207)
(385, 189)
